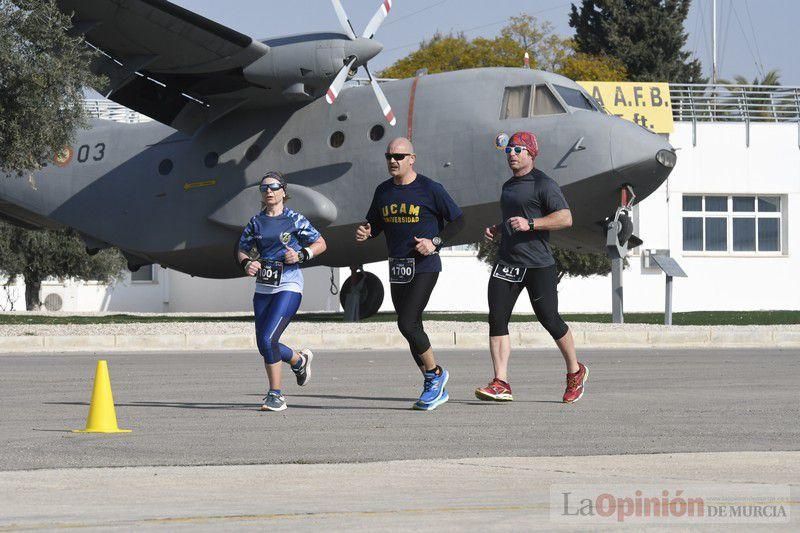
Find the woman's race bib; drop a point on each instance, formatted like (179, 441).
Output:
(401, 270)
(514, 274)
(270, 273)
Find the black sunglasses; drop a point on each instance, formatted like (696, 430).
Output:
(274, 187)
(396, 157)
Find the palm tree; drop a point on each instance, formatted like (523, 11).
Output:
(755, 101)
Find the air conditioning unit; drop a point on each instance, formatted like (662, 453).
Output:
(53, 302)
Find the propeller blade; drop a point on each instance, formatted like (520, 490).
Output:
(338, 82)
(343, 20)
(382, 101)
(377, 19)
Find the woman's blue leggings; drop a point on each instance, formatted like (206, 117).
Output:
(273, 313)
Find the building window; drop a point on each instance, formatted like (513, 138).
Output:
(732, 224)
(144, 274)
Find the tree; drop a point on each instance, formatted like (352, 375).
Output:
(755, 101)
(647, 36)
(43, 71)
(40, 254)
(444, 53)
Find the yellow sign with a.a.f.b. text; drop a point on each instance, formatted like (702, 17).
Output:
(646, 104)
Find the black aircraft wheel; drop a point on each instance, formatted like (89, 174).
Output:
(369, 290)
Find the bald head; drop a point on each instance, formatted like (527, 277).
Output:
(400, 145)
(400, 159)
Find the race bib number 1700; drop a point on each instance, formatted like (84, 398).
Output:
(401, 270)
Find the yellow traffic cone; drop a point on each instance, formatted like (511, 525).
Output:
(102, 416)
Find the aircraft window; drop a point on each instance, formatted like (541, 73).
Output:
(516, 102)
(376, 133)
(545, 103)
(575, 98)
(165, 167)
(253, 152)
(337, 139)
(211, 160)
(294, 146)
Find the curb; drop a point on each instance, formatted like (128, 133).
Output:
(632, 339)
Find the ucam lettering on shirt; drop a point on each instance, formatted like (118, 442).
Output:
(410, 210)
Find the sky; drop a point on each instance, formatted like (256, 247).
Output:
(753, 36)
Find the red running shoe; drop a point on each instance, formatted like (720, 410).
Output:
(575, 383)
(496, 390)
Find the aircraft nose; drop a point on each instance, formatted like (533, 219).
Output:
(364, 49)
(640, 157)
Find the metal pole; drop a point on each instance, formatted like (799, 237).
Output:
(616, 291)
(714, 42)
(668, 303)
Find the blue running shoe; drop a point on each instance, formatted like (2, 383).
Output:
(433, 389)
(419, 406)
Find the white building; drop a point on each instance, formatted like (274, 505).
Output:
(728, 214)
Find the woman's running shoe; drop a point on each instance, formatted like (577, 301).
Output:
(274, 401)
(303, 374)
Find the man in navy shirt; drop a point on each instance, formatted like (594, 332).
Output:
(411, 210)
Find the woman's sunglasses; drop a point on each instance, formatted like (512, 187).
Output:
(516, 149)
(274, 187)
(396, 157)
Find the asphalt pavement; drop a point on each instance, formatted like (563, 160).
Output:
(202, 408)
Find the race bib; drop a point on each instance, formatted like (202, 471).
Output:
(509, 273)
(401, 270)
(270, 273)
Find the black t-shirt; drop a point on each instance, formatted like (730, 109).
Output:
(403, 212)
(533, 195)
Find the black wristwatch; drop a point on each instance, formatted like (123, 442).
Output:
(437, 242)
(530, 223)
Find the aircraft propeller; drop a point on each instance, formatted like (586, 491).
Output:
(365, 48)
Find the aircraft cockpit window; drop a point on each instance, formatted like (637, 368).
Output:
(337, 139)
(376, 133)
(575, 98)
(294, 146)
(516, 102)
(545, 103)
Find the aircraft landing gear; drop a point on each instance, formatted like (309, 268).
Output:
(361, 295)
(620, 239)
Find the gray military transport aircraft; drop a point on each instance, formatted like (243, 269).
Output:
(178, 191)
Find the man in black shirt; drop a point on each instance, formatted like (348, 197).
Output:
(532, 205)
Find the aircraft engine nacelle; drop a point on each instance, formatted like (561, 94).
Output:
(308, 63)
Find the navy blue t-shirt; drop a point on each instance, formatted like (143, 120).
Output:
(419, 209)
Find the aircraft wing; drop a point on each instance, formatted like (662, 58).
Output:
(166, 62)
